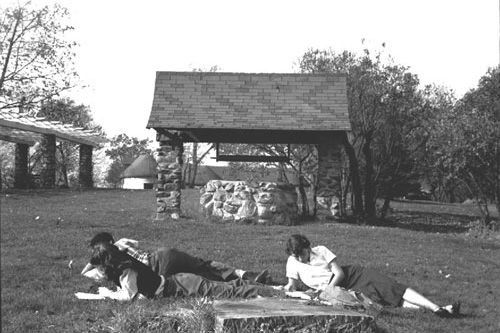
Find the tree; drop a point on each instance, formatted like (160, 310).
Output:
(36, 56)
(123, 148)
(469, 155)
(384, 109)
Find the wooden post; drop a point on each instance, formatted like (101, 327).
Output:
(21, 166)
(48, 159)
(168, 192)
(85, 175)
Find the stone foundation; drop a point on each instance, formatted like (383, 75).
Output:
(250, 202)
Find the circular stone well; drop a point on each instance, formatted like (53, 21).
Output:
(266, 203)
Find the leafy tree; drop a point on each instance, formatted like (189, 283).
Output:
(385, 109)
(123, 148)
(469, 155)
(36, 56)
(7, 153)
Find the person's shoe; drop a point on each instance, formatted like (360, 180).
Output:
(442, 312)
(455, 308)
(449, 310)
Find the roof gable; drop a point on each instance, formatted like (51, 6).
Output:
(194, 100)
(143, 167)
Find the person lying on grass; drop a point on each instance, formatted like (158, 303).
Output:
(136, 280)
(168, 262)
(317, 268)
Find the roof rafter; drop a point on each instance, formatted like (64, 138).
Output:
(22, 122)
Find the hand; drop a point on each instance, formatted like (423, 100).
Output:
(103, 291)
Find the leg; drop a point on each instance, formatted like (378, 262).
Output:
(412, 299)
(168, 262)
(195, 285)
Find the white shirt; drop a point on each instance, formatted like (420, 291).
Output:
(317, 272)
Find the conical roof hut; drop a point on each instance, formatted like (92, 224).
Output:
(141, 174)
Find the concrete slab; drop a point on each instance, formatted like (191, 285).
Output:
(287, 315)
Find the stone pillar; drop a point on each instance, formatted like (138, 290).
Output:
(329, 172)
(48, 160)
(168, 192)
(21, 178)
(85, 175)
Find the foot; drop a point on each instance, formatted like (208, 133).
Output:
(448, 311)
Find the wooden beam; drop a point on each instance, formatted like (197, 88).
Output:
(62, 131)
(252, 158)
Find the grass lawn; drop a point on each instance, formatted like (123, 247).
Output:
(426, 246)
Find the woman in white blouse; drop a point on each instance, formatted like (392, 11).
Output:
(317, 268)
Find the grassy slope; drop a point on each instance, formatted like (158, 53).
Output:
(42, 231)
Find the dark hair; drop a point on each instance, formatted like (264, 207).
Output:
(101, 237)
(111, 259)
(296, 245)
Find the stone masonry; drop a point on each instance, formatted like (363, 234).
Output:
(168, 192)
(329, 172)
(21, 166)
(85, 178)
(48, 161)
(264, 203)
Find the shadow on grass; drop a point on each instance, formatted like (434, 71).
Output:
(430, 222)
(422, 221)
(16, 194)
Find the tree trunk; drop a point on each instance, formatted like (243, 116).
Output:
(369, 185)
(357, 202)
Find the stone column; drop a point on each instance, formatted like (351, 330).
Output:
(85, 174)
(168, 192)
(21, 166)
(329, 174)
(48, 160)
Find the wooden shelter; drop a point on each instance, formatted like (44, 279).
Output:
(247, 108)
(26, 130)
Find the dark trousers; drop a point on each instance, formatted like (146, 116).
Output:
(186, 284)
(168, 262)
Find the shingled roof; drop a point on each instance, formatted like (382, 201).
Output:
(236, 103)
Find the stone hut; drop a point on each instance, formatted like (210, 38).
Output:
(247, 108)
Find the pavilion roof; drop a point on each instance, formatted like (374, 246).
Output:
(22, 128)
(214, 106)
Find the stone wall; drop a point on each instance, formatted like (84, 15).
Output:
(250, 202)
(168, 192)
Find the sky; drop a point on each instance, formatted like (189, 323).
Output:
(122, 43)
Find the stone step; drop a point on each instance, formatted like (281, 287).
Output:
(287, 315)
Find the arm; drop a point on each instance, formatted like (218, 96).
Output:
(338, 274)
(291, 285)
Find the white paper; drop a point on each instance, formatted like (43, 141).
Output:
(89, 296)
